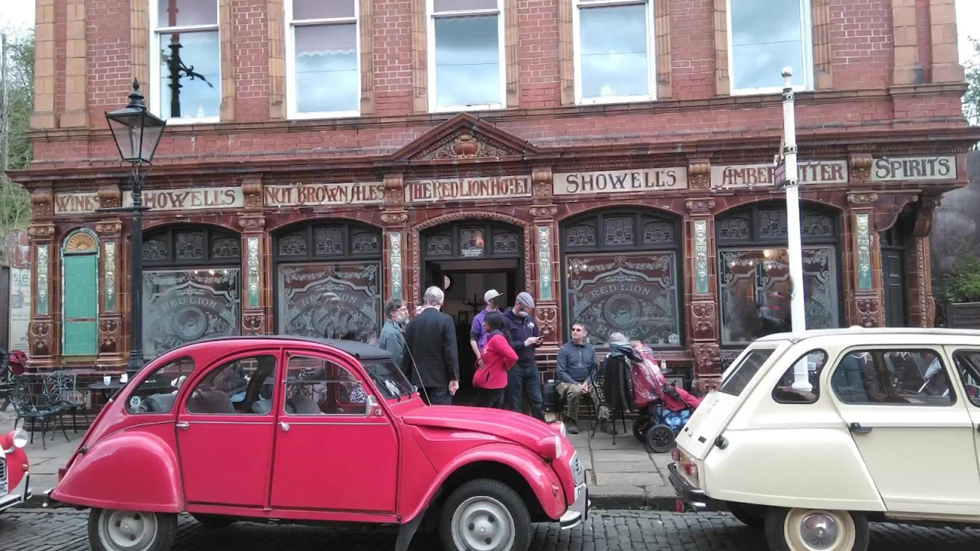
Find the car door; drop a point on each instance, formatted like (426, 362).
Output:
(966, 361)
(329, 453)
(912, 429)
(225, 429)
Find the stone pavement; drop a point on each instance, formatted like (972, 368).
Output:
(45, 462)
(65, 530)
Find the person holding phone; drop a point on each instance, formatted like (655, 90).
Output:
(525, 338)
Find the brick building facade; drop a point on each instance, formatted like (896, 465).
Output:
(612, 159)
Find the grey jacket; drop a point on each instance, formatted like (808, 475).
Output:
(393, 340)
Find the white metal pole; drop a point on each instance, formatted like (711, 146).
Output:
(797, 305)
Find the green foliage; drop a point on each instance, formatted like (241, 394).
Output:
(963, 283)
(14, 200)
(971, 101)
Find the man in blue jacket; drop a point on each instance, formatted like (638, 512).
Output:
(524, 337)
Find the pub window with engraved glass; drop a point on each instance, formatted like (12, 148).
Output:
(466, 54)
(185, 60)
(621, 275)
(753, 272)
(614, 51)
(322, 47)
(765, 36)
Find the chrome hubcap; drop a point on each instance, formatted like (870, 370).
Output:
(483, 524)
(127, 530)
(819, 531)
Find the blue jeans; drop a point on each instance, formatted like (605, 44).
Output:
(524, 379)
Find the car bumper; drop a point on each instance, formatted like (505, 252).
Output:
(579, 511)
(693, 498)
(17, 495)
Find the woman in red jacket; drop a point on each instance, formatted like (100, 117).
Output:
(491, 379)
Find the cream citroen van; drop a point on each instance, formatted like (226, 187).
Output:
(813, 435)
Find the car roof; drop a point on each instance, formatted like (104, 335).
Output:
(871, 332)
(358, 349)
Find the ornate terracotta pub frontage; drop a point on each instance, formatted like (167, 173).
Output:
(684, 251)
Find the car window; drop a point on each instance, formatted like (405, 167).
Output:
(315, 386)
(390, 380)
(808, 391)
(157, 392)
(745, 370)
(239, 387)
(892, 377)
(968, 367)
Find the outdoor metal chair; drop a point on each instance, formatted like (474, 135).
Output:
(598, 376)
(32, 406)
(62, 392)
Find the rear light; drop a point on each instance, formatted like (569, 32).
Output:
(24, 466)
(691, 469)
(675, 454)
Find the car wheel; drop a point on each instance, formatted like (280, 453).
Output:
(213, 521)
(486, 515)
(110, 530)
(752, 516)
(816, 530)
(660, 439)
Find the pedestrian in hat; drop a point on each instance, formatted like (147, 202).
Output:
(524, 339)
(478, 334)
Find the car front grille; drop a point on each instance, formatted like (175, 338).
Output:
(578, 473)
(3, 470)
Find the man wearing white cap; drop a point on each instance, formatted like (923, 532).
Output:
(478, 336)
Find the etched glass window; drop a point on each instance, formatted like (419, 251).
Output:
(336, 300)
(226, 247)
(292, 245)
(439, 245)
(764, 37)
(772, 224)
(329, 241)
(466, 67)
(580, 236)
(734, 229)
(505, 242)
(155, 249)
(186, 60)
(365, 243)
(322, 47)
(619, 230)
(471, 242)
(190, 246)
(658, 232)
(184, 306)
(817, 225)
(614, 59)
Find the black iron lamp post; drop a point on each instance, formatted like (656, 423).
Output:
(137, 133)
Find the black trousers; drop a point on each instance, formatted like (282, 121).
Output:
(490, 397)
(438, 396)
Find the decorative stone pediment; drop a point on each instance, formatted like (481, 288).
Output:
(462, 138)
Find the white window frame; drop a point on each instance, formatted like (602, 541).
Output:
(651, 95)
(155, 91)
(430, 17)
(806, 43)
(291, 88)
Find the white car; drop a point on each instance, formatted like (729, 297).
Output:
(812, 435)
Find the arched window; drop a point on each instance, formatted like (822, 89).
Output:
(328, 280)
(80, 302)
(621, 276)
(753, 271)
(191, 286)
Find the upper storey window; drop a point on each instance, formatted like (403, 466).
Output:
(764, 37)
(185, 60)
(322, 49)
(466, 53)
(614, 51)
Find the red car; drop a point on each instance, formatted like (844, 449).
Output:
(297, 430)
(15, 477)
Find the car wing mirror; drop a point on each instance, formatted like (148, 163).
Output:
(373, 408)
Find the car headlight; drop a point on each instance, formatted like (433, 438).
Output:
(549, 447)
(20, 439)
(557, 447)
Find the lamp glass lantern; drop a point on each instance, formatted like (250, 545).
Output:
(136, 131)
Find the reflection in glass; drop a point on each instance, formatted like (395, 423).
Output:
(467, 61)
(189, 74)
(186, 13)
(326, 68)
(613, 51)
(756, 292)
(471, 242)
(767, 35)
(339, 300)
(440, 6)
(183, 306)
(634, 294)
(322, 9)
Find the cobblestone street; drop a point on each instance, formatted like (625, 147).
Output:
(65, 530)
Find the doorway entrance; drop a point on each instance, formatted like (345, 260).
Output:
(466, 259)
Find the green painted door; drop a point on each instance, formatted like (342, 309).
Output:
(81, 305)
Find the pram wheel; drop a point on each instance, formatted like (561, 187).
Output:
(640, 427)
(660, 439)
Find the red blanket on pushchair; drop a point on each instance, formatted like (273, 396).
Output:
(649, 384)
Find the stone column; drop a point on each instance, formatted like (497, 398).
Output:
(862, 281)
(945, 61)
(76, 71)
(922, 305)
(544, 255)
(110, 314)
(908, 68)
(45, 80)
(395, 239)
(42, 334)
(256, 266)
(700, 264)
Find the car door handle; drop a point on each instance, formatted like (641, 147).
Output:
(183, 425)
(285, 426)
(856, 428)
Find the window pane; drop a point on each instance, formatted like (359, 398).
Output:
(440, 6)
(613, 51)
(322, 9)
(189, 75)
(390, 380)
(766, 36)
(157, 392)
(184, 13)
(968, 366)
(812, 363)
(634, 294)
(467, 61)
(902, 377)
(315, 386)
(755, 292)
(243, 387)
(743, 373)
(184, 306)
(337, 300)
(326, 69)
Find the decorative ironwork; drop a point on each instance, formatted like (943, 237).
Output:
(733, 228)
(505, 242)
(252, 263)
(329, 241)
(580, 236)
(190, 246)
(772, 224)
(109, 271)
(544, 263)
(365, 243)
(293, 245)
(817, 225)
(41, 277)
(701, 256)
(619, 230)
(155, 249)
(471, 242)
(395, 261)
(658, 232)
(863, 232)
(226, 247)
(439, 245)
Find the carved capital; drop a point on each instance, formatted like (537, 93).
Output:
(41, 202)
(110, 197)
(704, 319)
(41, 231)
(112, 227)
(923, 215)
(394, 189)
(862, 198)
(861, 168)
(705, 358)
(699, 174)
(547, 317)
(548, 211)
(252, 223)
(542, 183)
(252, 190)
(395, 217)
(252, 324)
(39, 336)
(700, 206)
(868, 312)
(706, 384)
(109, 335)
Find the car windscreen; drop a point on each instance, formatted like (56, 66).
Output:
(746, 369)
(390, 380)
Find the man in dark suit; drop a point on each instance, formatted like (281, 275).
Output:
(431, 340)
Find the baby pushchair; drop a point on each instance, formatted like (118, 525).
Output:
(663, 408)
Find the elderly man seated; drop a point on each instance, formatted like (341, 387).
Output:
(576, 360)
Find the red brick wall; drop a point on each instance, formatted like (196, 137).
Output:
(692, 46)
(61, 51)
(861, 44)
(538, 39)
(923, 33)
(392, 57)
(251, 59)
(108, 61)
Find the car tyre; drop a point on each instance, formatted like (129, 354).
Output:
(791, 529)
(111, 530)
(660, 439)
(752, 516)
(214, 521)
(485, 514)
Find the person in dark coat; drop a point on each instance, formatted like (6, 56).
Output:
(431, 340)
(524, 336)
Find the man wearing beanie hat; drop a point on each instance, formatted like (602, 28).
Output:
(524, 338)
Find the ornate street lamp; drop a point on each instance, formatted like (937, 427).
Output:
(137, 133)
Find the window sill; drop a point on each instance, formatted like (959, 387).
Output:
(327, 115)
(768, 91)
(188, 121)
(468, 108)
(615, 100)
